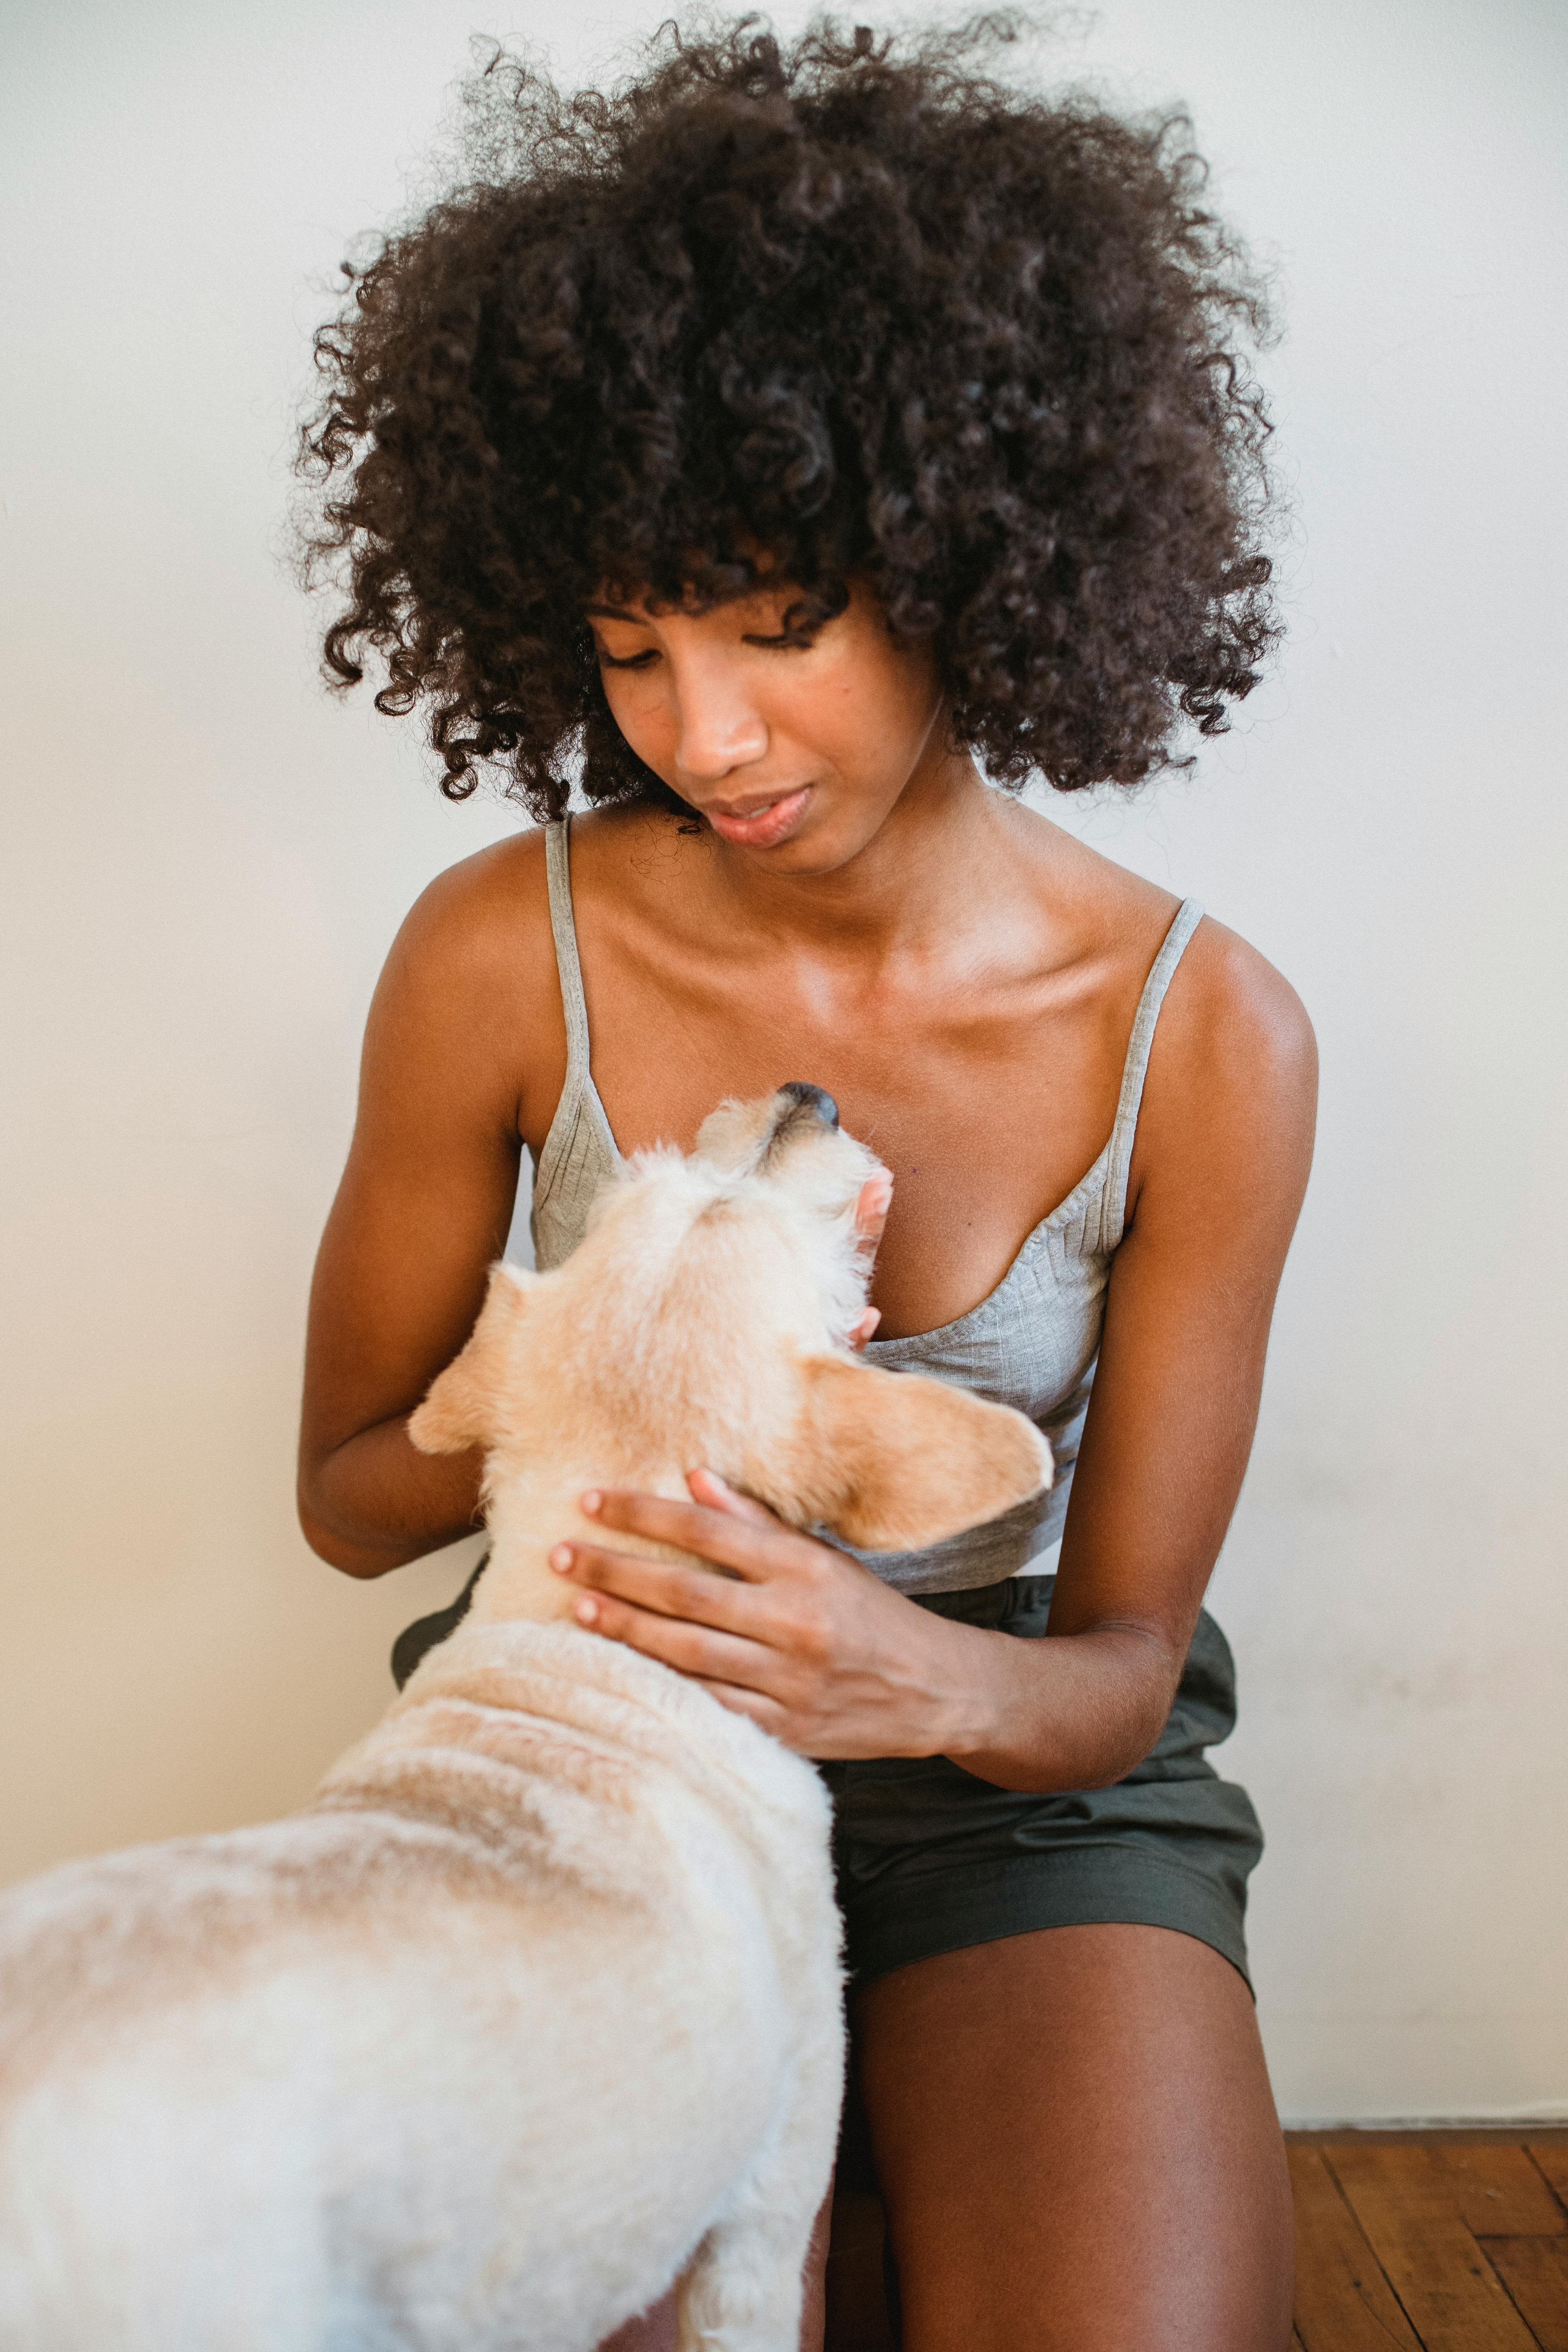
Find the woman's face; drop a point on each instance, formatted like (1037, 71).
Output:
(795, 755)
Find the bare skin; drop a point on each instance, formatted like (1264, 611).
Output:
(1114, 2179)
(961, 976)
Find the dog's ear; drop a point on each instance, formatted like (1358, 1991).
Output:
(896, 1461)
(460, 1407)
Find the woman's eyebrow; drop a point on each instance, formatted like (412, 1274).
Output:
(614, 612)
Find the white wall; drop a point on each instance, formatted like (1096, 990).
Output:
(205, 861)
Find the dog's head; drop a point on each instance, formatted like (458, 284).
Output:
(704, 1322)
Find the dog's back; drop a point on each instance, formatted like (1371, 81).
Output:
(383, 2073)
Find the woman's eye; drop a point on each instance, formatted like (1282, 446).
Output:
(788, 643)
(628, 661)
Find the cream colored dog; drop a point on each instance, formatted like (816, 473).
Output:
(537, 2004)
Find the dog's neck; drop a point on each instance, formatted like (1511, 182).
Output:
(528, 1512)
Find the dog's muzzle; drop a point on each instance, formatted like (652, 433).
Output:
(803, 1098)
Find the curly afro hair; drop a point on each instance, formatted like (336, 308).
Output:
(850, 306)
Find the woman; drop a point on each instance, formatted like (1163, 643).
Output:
(777, 438)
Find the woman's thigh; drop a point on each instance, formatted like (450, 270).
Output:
(1078, 2147)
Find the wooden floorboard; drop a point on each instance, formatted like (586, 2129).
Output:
(1499, 2191)
(1343, 2301)
(1551, 2159)
(1444, 2241)
(1535, 2272)
(1406, 2202)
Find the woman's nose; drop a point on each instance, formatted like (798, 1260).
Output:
(719, 728)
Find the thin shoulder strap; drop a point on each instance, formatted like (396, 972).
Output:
(558, 873)
(1189, 915)
(580, 1150)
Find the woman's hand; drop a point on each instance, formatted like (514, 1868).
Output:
(805, 1641)
(870, 1216)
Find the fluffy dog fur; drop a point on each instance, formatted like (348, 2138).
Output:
(537, 2004)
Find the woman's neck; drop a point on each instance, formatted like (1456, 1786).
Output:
(916, 881)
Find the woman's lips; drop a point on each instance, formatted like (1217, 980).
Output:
(765, 828)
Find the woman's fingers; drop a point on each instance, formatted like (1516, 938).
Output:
(870, 1216)
(756, 1548)
(871, 1208)
(707, 1487)
(691, 1647)
(665, 1587)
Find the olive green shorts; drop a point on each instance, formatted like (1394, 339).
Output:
(930, 1860)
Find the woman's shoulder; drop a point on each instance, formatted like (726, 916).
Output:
(471, 973)
(485, 920)
(1233, 1057)
(1230, 1103)
(1097, 914)
(1224, 991)
(1241, 1008)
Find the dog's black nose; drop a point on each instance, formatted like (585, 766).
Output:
(816, 1098)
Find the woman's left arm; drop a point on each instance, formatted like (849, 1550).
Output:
(1219, 1168)
(836, 1665)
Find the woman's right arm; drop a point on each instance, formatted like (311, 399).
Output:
(465, 1051)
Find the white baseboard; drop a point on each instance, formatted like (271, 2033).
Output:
(1545, 2114)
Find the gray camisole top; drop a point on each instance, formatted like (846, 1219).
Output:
(1032, 1344)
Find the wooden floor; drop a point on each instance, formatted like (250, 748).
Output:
(1431, 2242)
(1406, 2241)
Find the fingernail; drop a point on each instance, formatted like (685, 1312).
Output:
(592, 1500)
(586, 1611)
(561, 1558)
